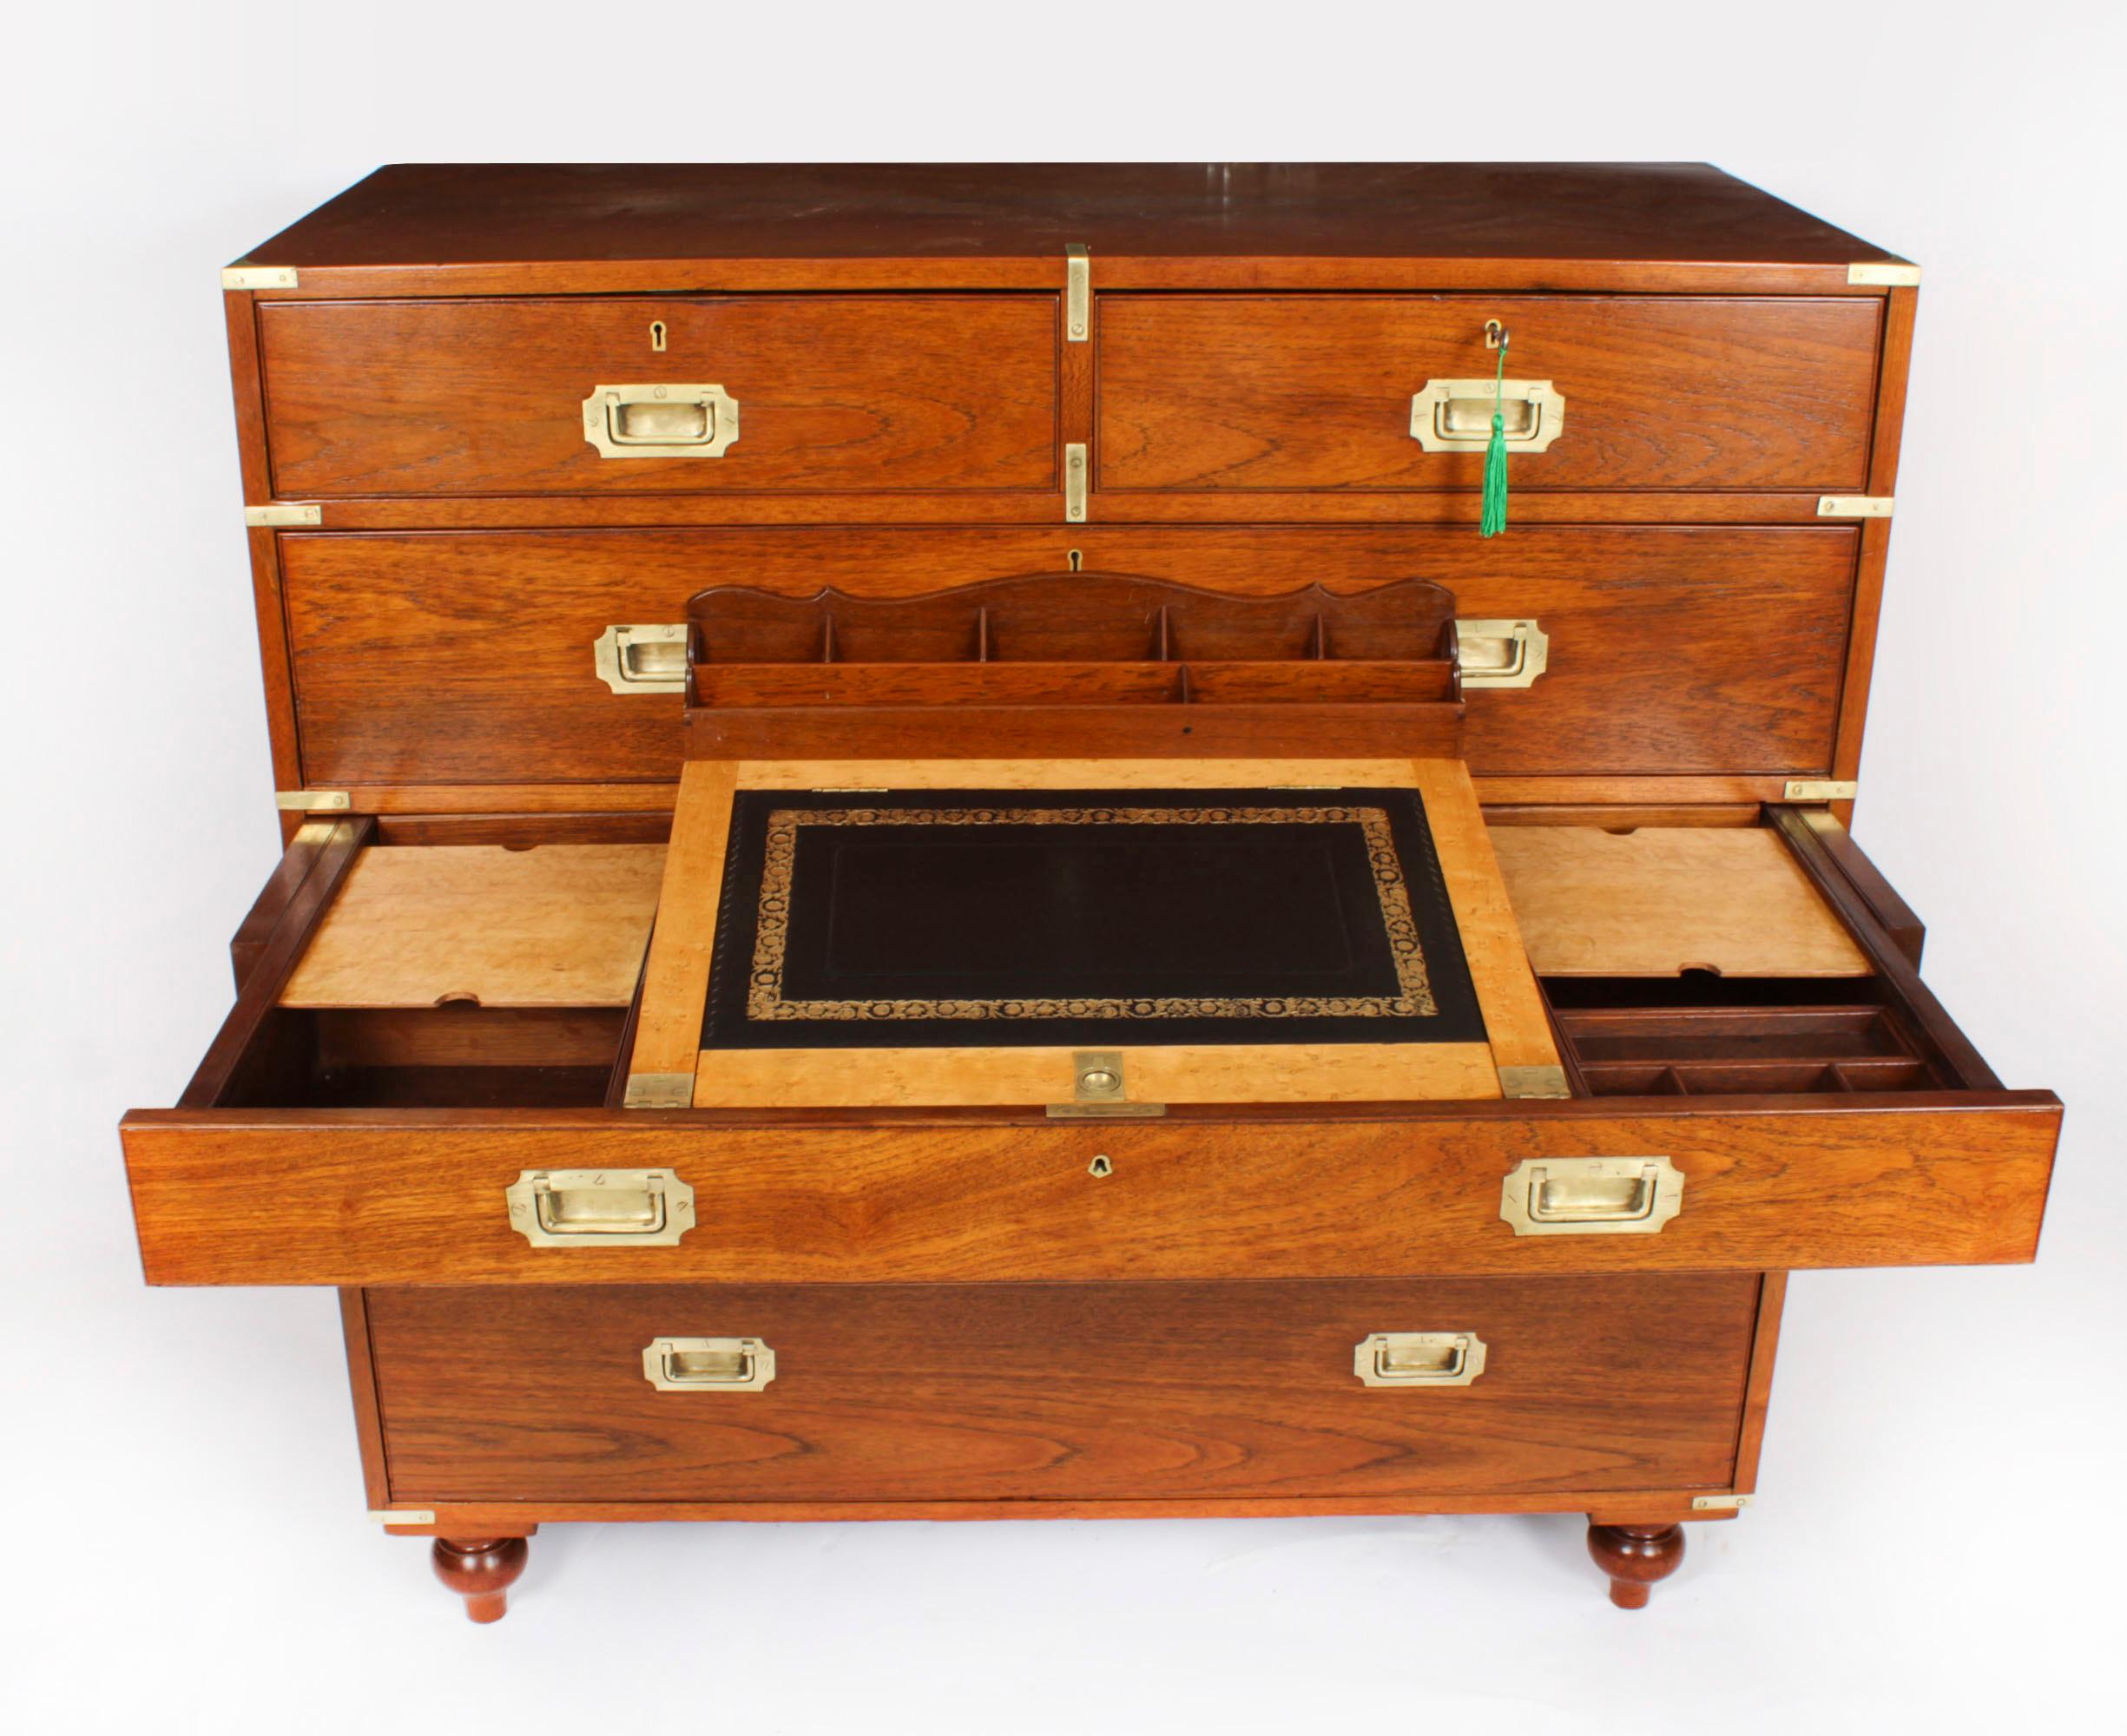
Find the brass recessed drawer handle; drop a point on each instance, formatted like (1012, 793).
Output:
(708, 1364)
(1501, 654)
(653, 421)
(649, 659)
(600, 1207)
(1455, 416)
(1418, 1358)
(1591, 1196)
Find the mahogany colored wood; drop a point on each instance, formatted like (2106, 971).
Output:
(923, 1393)
(834, 392)
(1907, 932)
(1636, 1558)
(483, 227)
(1238, 393)
(349, 1196)
(1758, 1398)
(970, 1322)
(481, 1570)
(463, 660)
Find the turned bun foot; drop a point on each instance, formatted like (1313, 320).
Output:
(1636, 1557)
(481, 1570)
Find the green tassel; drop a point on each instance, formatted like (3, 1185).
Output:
(1494, 520)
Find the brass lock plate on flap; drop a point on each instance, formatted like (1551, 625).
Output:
(654, 421)
(1584, 1196)
(1418, 1358)
(708, 1364)
(575, 1208)
(1455, 416)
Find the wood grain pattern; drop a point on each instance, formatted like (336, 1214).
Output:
(834, 392)
(1241, 393)
(676, 980)
(1033, 1391)
(225, 1196)
(1516, 1024)
(488, 228)
(465, 658)
(1157, 1073)
(560, 925)
(1661, 900)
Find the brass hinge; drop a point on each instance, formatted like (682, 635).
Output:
(659, 1091)
(1718, 1503)
(280, 517)
(1854, 505)
(1077, 294)
(257, 277)
(1886, 274)
(1533, 1081)
(1074, 484)
(1820, 790)
(313, 801)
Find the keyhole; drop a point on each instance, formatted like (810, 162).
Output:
(1100, 1166)
(1077, 557)
(657, 334)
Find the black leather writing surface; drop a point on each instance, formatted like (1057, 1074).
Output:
(993, 917)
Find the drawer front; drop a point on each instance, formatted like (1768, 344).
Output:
(383, 1196)
(466, 657)
(833, 393)
(1063, 1391)
(1301, 392)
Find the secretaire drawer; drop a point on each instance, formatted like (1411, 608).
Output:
(415, 1086)
(1301, 392)
(899, 1392)
(597, 394)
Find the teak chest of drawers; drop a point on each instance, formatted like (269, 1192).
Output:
(931, 873)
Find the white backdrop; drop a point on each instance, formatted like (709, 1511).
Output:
(1937, 1538)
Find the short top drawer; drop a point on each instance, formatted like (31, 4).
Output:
(1315, 391)
(825, 393)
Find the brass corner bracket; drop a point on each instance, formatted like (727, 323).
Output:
(257, 277)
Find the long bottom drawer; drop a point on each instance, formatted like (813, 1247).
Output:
(1093, 1392)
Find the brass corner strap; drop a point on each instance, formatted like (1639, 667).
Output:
(1855, 505)
(1819, 790)
(281, 517)
(1077, 294)
(257, 277)
(314, 801)
(1885, 274)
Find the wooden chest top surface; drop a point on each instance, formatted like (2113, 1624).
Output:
(429, 213)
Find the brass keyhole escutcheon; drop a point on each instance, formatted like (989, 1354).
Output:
(1101, 1165)
(657, 334)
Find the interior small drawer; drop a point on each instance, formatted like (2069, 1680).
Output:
(1152, 1391)
(607, 394)
(1300, 392)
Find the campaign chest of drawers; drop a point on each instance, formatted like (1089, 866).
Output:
(1079, 567)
